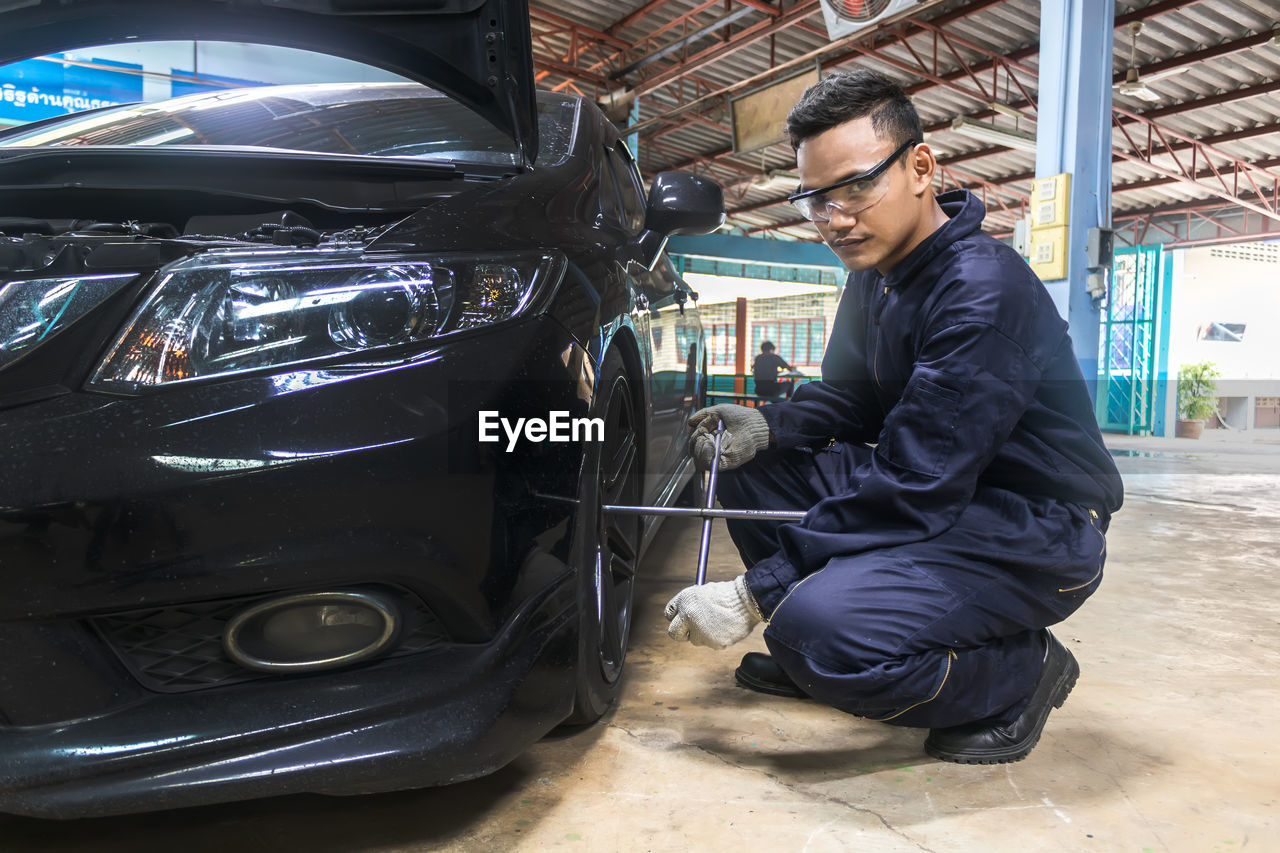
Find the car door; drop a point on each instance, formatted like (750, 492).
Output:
(672, 330)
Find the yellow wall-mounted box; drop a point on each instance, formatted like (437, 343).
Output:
(1049, 252)
(1050, 197)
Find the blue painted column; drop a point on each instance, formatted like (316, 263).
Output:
(633, 139)
(1073, 134)
(1166, 383)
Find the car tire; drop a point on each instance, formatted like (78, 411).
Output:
(610, 544)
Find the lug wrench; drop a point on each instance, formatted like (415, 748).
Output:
(707, 513)
(701, 577)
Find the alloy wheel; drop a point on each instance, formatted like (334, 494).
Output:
(618, 536)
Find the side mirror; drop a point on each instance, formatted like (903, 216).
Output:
(679, 203)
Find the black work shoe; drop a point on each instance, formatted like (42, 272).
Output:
(761, 673)
(988, 743)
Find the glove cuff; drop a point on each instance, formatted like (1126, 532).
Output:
(754, 615)
(755, 429)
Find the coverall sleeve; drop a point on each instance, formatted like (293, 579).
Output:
(970, 385)
(821, 410)
(843, 403)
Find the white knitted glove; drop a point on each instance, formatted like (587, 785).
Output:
(745, 433)
(715, 615)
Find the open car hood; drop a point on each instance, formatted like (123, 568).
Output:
(476, 51)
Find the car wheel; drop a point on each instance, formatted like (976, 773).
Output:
(607, 568)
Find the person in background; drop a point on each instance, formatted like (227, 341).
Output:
(765, 371)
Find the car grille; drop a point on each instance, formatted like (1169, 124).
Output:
(179, 648)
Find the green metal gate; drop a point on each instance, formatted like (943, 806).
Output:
(1127, 343)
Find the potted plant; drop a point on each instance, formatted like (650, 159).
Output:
(1197, 397)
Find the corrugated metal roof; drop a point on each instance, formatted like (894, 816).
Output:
(1227, 95)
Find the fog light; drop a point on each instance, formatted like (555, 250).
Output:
(312, 631)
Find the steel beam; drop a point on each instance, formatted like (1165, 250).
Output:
(1228, 184)
(1215, 52)
(1013, 59)
(681, 20)
(1214, 100)
(539, 13)
(680, 43)
(889, 30)
(572, 72)
(1204, 174)
(1208, 205)
(1179, 146)
(1233, 136)
(1188, 227)
(802, 9)
(636, 16)
(969, 76)
(761, 6)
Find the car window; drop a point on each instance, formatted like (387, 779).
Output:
(610, 211)
(557, 127)
(630, 193)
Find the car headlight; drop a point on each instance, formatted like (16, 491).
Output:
(35, 310)
(227, 312)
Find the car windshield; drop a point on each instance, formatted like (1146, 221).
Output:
(360, 119)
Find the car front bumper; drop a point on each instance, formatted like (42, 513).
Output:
(426, 719)
(306, 481)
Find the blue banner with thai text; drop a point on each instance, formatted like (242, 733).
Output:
(51, 86)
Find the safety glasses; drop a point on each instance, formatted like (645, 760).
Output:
(849, 196)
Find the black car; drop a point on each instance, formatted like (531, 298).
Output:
(267, 524)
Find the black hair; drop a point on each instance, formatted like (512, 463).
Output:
(848, 95)
(766, 346)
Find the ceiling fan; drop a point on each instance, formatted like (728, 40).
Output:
(1134, 84)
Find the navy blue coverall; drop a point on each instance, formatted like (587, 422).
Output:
(914, 588)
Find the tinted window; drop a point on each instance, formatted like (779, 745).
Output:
(609, 208)
(629, 190)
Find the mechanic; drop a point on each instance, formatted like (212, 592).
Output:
(764, 369)
(918, 588)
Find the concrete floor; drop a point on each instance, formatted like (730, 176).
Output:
(1169, 741)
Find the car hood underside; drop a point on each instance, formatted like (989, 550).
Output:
(476, 51)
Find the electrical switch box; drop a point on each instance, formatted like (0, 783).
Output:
(1022, 236)
(1050, 197)
(1049, 253)
(1100, 249)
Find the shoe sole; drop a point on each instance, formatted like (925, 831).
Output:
(769, 687)
(1019, 751)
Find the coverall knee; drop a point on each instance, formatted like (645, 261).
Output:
(933, 633)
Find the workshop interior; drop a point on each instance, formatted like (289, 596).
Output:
(389, 389)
